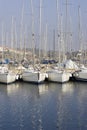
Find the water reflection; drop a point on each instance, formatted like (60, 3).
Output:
(72, 106)
(24, 89)
(68, 87)
(12, 88)
(43, 88)
(46, 106)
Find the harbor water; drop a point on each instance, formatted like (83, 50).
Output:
(48, 106)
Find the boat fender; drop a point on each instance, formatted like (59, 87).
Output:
(76, 74)
(17, 77)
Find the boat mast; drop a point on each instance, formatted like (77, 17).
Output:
(71, 40)
(12, 34)
(24, 57)
(2, 42)
(33, 43)
(15, 41)
(45, 40)
(61, 39)
(12, 38)
(54, 53)
(80, 35)
(40, 32)
(58, 35)
(21, 32)
(66, 42)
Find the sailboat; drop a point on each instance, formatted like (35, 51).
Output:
(33, 74)
(59, 74)
(81, 74)
(6, 75)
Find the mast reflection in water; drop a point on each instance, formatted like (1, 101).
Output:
(49, 106)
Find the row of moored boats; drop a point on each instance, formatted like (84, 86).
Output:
(56, 73)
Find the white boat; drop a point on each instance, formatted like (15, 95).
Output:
(58, 73)
(58, 76)
(7, 76)
(33, 76)
(81, 74)
(70, 66)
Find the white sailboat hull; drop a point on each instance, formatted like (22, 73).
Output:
(34, 77)
(57, 76)
(7, 78)
(80, 76)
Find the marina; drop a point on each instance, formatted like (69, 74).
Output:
(30, 57)
(43, 65)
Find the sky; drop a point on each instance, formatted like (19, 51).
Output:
(13, 8)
